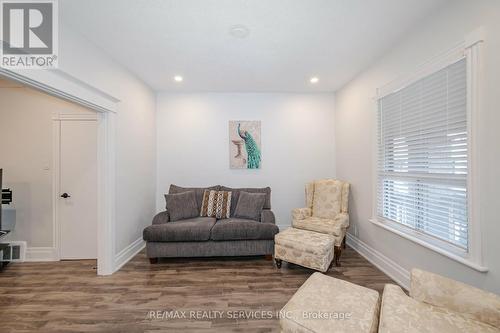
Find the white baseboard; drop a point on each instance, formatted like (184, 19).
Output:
(385, 264)
(41, 254)
(128, 253)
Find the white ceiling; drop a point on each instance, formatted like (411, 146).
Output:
(289, 40)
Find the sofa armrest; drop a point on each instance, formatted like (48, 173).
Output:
(267, 216)
(301, 213)
(456, 296)
(162, 217)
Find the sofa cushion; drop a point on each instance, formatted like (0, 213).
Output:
(236, 195)
(400, 313)
(250, 205)
(216, 204)
(182, 206)
(195, 229)
(242, 229)
(197, 190)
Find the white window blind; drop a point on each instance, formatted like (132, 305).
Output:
(423, 156)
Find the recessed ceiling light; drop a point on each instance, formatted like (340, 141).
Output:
(178, 78)
(239, 31)
(314, 79)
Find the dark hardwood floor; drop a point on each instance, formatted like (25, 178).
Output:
(69, 297)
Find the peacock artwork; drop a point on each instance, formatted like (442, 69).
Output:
(244, 145)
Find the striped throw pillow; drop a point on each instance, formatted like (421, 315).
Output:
(216, 204)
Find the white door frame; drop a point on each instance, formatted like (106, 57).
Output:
(63, 85)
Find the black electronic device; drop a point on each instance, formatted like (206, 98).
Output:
(5, 199)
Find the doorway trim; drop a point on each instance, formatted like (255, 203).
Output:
(61, 84)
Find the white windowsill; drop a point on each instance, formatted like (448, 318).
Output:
(423, 241)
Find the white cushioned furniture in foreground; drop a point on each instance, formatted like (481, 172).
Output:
(326, 304)
(438, 304)
(302, 247)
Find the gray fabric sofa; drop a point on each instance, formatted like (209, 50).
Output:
(208, 237)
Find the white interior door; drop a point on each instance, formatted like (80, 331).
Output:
(78, 189)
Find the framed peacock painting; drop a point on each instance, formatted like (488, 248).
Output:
(244, 144)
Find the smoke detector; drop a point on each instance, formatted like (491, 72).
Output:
(239, 31)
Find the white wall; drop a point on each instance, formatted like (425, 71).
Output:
(26, 157)
(297, 143)
(355, 120)
(135, 130)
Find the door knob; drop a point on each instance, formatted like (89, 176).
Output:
(65, 195)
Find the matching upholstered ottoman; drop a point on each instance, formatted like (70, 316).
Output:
(306, 248)
(326, 304)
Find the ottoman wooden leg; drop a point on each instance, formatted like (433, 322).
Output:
(153, 260)
(343, 243)
(278, 262)
(337, 251)
(268, 257)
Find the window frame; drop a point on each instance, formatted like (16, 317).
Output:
(470, 48)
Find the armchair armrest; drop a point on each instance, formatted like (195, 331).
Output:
(162, 217)
(456, 296)
(301, 213)
(342, 220)
(267, 216)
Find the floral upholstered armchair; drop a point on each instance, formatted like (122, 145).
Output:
(326, 211)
